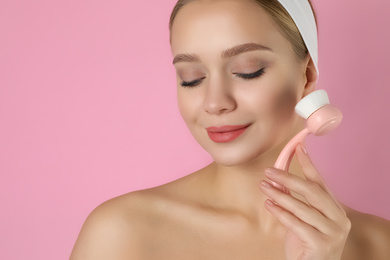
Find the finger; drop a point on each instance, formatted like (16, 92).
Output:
(298, 208)
(310, 171)
(302, 230)
(313, 193)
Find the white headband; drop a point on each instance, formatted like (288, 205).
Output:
(303, 16)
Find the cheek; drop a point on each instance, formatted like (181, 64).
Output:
(273, 101)
(183, 105)
(188, 104)
(283, 103)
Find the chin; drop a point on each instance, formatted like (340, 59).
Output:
(230, 161)
(239, 155)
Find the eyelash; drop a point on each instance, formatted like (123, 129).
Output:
(191, 83)
(249, 76)
(244, 76)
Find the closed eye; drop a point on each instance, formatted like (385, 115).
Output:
(253, 75)
(191, 83)
(246, 76)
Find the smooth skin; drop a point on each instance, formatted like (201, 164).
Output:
(228, 209)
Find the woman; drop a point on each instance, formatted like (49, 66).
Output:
(241, 68)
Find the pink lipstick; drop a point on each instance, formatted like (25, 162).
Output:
(226, 133)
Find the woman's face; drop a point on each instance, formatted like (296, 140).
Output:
(234, 68)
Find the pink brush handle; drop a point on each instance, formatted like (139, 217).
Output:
(284, 159)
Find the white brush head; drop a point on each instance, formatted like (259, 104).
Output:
(311, 103)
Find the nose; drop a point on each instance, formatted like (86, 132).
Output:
(219, 98)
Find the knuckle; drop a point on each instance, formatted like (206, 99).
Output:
(300, 208)
(344, 214)
(341, 233)
(283, 217)
(289, 221)
(314, 187)
(285, 174)
(347, 224)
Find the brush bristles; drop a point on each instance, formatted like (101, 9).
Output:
(311, 103)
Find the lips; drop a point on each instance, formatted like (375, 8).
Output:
(226, 133)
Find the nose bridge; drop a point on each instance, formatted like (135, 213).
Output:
(218, 96)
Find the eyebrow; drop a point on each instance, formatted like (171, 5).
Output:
(186, 58)
(236, 50)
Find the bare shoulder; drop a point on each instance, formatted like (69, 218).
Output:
(369, 236)
(119, 227)
(105, 230)
(112, 230)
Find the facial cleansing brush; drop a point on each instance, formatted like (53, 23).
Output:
(321, 118)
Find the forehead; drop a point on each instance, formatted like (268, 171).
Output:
(221, 24)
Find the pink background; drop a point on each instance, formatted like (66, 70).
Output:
(88, 112)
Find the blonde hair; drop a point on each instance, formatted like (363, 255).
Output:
(280, 16)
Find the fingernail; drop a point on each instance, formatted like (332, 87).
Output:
(303, 149)
(270, 171)
(266, 184)
(269, 202)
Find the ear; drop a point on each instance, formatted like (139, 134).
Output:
(311, 76)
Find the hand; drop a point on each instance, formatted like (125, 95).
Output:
(317, 229)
